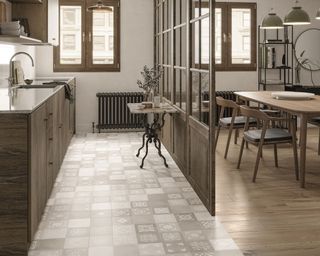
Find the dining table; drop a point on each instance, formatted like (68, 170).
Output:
(304, 109)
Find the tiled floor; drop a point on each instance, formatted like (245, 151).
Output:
(103, 204)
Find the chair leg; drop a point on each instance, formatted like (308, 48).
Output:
(275, 155)
(228, 141)
(217, 137)
(295, 151)
(257, 161)
(319, 144)
(295, 155)
(241, 152)
(236, 135)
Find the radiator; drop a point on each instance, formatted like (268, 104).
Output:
(113, 112)
(228, 95)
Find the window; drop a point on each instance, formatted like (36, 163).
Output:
(235, 36)
(89, 41)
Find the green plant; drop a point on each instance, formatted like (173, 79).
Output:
(151, 79)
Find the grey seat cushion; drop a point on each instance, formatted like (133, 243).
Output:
(272, 135)
(238, 121)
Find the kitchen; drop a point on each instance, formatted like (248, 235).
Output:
(72, 179)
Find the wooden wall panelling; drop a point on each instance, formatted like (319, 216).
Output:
(13, 184)
(179, 139)
(199, 173)
(166, 133)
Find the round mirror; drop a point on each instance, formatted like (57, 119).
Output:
(307, 49)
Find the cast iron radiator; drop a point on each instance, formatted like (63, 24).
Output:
(229, 95)
(113, 112)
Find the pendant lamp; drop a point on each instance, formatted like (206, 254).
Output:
(318, 14)
(99, 7)
(272, 21)
(297, 16)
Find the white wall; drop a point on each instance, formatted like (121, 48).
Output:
(136, 51)
(6, 51)
(248, 80)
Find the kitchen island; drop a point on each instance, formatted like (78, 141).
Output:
(36, 127)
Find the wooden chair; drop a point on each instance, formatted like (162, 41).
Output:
(267, 136)
(234, 122)
(316, 121)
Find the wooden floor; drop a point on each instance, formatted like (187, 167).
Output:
(274, 216)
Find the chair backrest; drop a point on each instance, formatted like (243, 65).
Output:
(254, 113)
(226, 103)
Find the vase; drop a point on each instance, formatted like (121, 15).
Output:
(156, 101)
(148, 97)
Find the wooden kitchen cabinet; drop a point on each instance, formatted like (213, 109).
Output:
(38, 166)
(32, 148)
(43, 18)
(37, 18)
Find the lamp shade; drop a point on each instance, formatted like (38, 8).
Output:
(99, 7)
(297, 16)
(318, 14)
(272, 21)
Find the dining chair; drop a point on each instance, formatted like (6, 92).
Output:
(316, 121)
(235, 122)
(267, 135)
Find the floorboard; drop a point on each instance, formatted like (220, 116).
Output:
(274, 216)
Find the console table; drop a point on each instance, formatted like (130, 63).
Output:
(152, 130)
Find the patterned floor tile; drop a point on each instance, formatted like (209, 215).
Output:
(104, 204)
(178, 247)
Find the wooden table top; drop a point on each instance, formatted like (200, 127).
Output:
(305, 107)
(164, 108)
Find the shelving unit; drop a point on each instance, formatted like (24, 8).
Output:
(282, 61)
(20, 40)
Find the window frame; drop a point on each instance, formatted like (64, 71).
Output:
(226, 29)
(87, 44)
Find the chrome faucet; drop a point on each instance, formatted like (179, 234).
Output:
(11, 76)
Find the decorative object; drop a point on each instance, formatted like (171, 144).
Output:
(150, 83)
(28, 81)
(272, 21)
(100, 7)
(25, 24)
(292, 95)
(297, 16)
(147, 104)
(318, 15)
(307, 52)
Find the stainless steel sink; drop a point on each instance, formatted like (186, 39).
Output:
(38, 86)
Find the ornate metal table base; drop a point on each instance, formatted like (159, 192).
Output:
(151, 135)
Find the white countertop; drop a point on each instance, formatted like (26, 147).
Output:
(25, 101)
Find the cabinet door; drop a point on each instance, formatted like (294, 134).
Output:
(55, 135)
(50, 169)
(36, 15)
(53, 22)
(72, 118)
(61, 135)
(38, 170)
